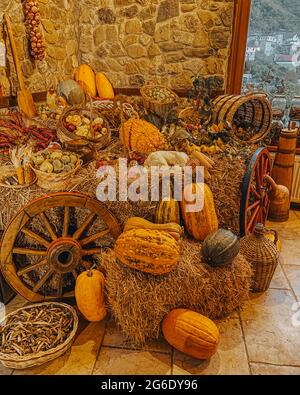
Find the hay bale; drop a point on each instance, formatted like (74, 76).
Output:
(139, 301)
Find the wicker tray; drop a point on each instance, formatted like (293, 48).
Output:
(9, 171)
(27, 361)
(159, 107)
(65, 135)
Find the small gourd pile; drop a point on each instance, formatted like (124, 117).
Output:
(56, 162)
(84, 127)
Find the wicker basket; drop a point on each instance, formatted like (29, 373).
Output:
(263, 256)
(27, 361)
(252, 109)
(56, 182)
(65, 135)
(159, 107)
(10, 171)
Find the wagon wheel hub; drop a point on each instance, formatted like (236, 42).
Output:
(64, 255)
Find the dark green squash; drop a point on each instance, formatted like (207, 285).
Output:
(220, 248)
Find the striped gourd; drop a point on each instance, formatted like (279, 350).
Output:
(191, 333)
(167, 210)
(141, 136)
(201, 223)
(173, 229)
(150, 251)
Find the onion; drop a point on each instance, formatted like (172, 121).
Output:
(34, 9)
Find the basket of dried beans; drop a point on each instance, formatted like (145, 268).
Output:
(37, 334)
(159, 99)
(80, 122)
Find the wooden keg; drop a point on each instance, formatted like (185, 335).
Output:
(283, 167)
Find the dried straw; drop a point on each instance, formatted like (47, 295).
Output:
(139, 301)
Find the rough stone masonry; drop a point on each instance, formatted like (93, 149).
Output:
(132, 41)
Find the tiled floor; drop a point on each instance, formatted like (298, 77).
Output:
(263, 338)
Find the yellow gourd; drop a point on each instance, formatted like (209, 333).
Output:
(104, 87)
(200, 224)
(85, 76)
(89, 294)
(150, 251)
(191, 333)
(172, 228)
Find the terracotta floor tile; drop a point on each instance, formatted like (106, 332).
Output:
(80, 359)
(117, 361)
(288, 230)
(231, 357)
(293, 275)
(270, 334)
(279, 280)
(291, 252)
(4, 371)
(114, 337)
(264, 369)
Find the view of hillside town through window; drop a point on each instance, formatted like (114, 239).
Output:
(273, 49)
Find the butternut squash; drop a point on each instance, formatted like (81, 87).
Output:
(104, 87)
(85, 76)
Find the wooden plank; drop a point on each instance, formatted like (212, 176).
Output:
(238, 46)
(80, 359)
(11, 101)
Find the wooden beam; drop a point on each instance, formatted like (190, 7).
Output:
(11, 101)
(242, 10)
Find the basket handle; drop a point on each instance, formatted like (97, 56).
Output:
(275, 234)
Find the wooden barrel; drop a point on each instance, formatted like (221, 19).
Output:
(253, 109)
(279, 201)
(283, 167)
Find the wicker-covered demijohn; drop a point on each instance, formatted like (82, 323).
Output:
(251, 112)
(263, 256)
(36, 334)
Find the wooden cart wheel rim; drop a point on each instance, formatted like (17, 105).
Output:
(31, 210)
(264, 205)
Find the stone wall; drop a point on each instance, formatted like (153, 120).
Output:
(168, 41)
(60, 25)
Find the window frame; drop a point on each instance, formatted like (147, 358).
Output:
(236, 62)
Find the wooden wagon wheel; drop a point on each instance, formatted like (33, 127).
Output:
(51, 240)
(255, 200)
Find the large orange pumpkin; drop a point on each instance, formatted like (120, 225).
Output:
(191, 333)
(201, 223)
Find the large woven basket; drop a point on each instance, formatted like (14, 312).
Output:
(65, 135)
(252, 109)
(56, 181)
(161, 108)
(27, 361)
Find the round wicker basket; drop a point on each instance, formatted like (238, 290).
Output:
(39, 358)
(65, 135)
(56, 181)
(251, 109)
(159, 107)
(10, 171)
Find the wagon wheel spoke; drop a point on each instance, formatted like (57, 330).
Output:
(66, 221)
(83, 226)
(94, 237)
(252, 218)
(265, 168)
(34, 266)
(43, 280)
(87, 265)
(48, 226)
(253, 205)
(258, 176)
(254, 191)
(36, 237)
(28, 251)
(92, 251)
(60, 286)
